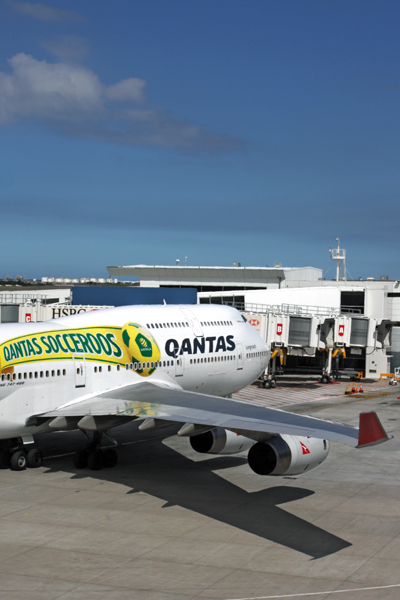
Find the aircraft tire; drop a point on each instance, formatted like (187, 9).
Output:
(267, 384)
(273, 383)
(96, 460)
(110, 458)
(18, 461)
(34, 458)
(325, 379)
(80, 459)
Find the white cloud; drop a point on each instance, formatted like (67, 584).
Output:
(47, 91)
(45, 13)
(126, 90)
(71, 100)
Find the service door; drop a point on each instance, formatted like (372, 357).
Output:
(179, 366)
(194, 322)
(240, 357)
(80, 371)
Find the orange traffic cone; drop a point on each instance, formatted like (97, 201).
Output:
(356, 392)
(353, 389)
(361, 389)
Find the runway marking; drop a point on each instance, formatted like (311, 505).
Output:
(283, 398)
(365, 589)
(369, 397)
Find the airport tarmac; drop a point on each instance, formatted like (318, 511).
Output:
(169, 524)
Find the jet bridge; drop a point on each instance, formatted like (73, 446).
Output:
(334, 337)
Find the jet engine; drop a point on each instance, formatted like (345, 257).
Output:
(220, 441)
(287, 455)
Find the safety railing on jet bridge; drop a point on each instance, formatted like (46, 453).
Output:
(284, 309)
(22, 298)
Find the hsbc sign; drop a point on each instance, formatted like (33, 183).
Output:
(254, 322)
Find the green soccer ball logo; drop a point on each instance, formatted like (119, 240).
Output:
(142, 347)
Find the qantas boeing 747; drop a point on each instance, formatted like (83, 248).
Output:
(162, 365)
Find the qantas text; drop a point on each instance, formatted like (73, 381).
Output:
(200, 345)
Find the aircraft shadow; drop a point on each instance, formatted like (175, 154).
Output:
(156, 469)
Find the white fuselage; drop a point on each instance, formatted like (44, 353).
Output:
(203, 348)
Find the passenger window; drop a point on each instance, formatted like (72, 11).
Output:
(8, 377)
(25, 376)
(19, 375)
(126, 366)
(47, 373)
(152, 365)
(14, 376)
(109, 367)
(118, 367)
(64, 372)
(36, 374)
(53, 373)
(100, 369)
(58, 373)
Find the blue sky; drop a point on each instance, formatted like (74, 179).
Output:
(255, 131)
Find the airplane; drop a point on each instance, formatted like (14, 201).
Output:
(161, 365)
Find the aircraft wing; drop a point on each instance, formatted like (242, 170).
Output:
(161, 401)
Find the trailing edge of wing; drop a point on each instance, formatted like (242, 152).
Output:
(151, 399)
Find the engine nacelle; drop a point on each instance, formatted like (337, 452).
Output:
(287, 455)
(220, 441)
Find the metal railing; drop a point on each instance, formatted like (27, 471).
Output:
(285, 309)
(22, 298)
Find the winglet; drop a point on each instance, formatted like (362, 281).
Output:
(371, 431)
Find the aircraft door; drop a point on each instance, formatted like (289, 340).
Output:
(240, 357)
(179, 366)
(194, 322)
(80, 371)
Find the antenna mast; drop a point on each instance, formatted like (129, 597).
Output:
(339, 254)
